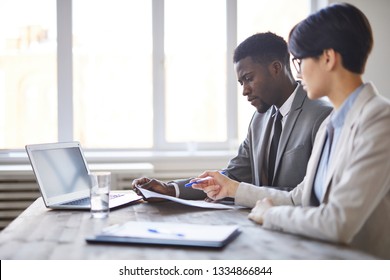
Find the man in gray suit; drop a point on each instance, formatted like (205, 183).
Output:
(262, 64)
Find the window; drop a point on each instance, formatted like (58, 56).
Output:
(112, 73)
(28, 72)
(146, 74)
(195, 77)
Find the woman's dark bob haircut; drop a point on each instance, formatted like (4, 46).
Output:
(341, 27)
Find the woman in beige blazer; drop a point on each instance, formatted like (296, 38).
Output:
(345, 195)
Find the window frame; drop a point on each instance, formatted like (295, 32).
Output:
(65, 80)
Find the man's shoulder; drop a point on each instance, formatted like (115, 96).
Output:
(261, 117)
(312, 110)
(317, 104)
(303, 101)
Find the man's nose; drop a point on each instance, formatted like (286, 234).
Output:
(245, 90)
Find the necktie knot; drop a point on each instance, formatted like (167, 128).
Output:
(278, 116)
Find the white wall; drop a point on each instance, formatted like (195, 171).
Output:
(377, 69)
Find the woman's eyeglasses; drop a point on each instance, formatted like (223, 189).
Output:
(297, 64)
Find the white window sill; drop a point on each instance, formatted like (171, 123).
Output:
(164, 164)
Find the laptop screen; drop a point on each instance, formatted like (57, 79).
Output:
(61, 171)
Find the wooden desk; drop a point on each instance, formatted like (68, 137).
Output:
(39, 233)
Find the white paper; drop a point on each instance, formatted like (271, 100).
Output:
(162, 230)
(196, 203)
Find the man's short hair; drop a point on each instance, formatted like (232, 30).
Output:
(341, 27)
(263, 48)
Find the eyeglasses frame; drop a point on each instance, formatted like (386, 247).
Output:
(297, 64)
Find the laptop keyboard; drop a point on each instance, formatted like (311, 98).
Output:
(81, 201)
(85, 200)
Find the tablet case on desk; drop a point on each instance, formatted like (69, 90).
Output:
(176, 234)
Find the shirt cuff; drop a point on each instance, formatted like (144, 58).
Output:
(177, 190)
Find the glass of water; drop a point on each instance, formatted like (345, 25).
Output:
(100, 194)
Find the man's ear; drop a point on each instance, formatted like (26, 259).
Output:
(275, 68)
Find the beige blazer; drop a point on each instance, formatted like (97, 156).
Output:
(355, 207)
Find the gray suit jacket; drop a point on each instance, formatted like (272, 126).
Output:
(355, 207)
(294, 150)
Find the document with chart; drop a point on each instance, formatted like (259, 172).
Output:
(164, 233)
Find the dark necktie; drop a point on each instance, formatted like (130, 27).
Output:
(274, 146)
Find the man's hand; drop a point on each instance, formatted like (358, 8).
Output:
(153, 185)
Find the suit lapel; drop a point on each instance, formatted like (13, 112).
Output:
(367, 93)
(296, 108)
(261, 153)
(313, 164)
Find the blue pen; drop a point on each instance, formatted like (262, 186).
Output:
(223, 172)
(159, 231)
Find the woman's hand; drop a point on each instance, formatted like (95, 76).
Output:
(217, 186)
(257, 213)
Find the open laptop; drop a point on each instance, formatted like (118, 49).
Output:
(62, 172)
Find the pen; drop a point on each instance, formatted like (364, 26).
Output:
(223, 172)
(153, 230)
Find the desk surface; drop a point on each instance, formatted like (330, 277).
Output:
(39, 233)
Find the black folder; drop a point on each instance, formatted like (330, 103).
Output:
(173, 234)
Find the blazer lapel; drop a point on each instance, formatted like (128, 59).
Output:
(343, 142)
(313, 164)
(261, 153)
(296, 108)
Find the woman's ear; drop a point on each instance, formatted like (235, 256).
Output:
(331, 58)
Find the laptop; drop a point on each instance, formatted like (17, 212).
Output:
(62, 172)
